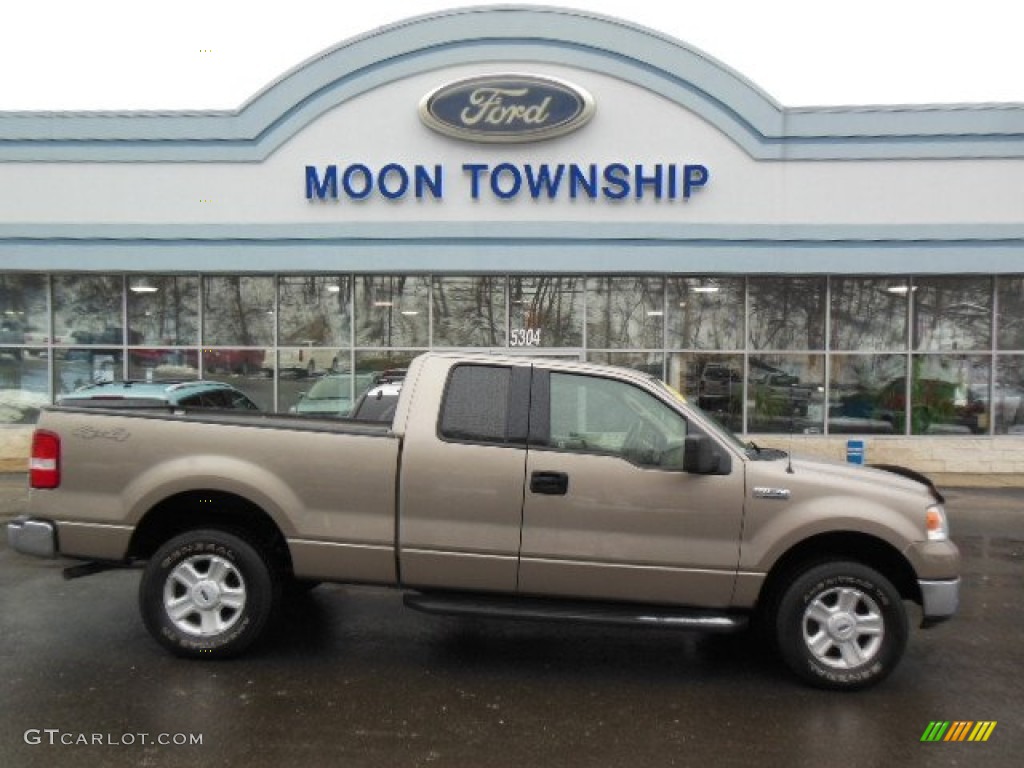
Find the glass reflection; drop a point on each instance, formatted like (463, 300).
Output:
(87, 309)
(23, 385)
(469, 312)
(76, 368)
(24, 316)
(647, 362)
(1008, 402)
(787, 313)
(869, 313)
(625, 312)
(163, 310)
(314, 311)
(866, 394)
(786, 393)
(238, 311)
(392, 311)
(949, 395)
(705, 313)
(714, 382)
(952, 313)
(163, 364)
(1010, 320)
(546, 311)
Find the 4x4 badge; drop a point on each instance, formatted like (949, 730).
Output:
(771, 493)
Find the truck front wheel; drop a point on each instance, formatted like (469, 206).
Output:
(841, 625)
(207, 594)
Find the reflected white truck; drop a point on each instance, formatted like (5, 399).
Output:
(503, 487)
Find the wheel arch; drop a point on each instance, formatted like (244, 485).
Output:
(833, 546)
(230, 512)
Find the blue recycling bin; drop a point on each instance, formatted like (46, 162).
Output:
(855, 451)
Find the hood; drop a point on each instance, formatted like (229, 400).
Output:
(872, 478)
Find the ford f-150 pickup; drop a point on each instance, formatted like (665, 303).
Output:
(503, 487)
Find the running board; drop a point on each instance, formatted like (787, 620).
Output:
(616, 614)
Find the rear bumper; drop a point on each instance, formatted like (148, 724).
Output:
(32, 537)
(939, 599)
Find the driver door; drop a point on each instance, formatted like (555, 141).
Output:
(608, 514)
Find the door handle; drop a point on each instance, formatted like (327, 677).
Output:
(549, 483)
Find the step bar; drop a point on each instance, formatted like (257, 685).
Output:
(613, 614)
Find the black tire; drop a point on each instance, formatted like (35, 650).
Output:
(208, 594)
(841, 626)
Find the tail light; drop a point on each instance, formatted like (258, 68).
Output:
(44, 466)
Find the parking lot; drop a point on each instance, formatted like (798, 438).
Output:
(351, 678)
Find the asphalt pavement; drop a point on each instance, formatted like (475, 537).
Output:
(352, 678)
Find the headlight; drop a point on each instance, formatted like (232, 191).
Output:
(936, 523)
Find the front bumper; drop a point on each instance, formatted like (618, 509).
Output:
(32, 537)
(939, 599)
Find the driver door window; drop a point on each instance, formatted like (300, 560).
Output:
(595, 415)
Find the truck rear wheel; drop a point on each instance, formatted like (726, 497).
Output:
(207, 594)
(841, 625)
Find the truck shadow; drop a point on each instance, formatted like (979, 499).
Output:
(365, 629)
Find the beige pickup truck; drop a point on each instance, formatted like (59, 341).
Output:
(503, 487)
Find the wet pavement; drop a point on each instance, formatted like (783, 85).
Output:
(352, 678)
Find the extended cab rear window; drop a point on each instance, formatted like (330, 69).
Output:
(476, 404)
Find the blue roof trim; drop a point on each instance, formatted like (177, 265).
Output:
(494, 247)
(566, 232)
(758, 124)
(488, 255)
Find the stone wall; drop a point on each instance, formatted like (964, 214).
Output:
(978, 462)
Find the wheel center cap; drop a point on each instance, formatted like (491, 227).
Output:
(205, 594)
(842, 626)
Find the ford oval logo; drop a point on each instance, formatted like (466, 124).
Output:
(506, 108)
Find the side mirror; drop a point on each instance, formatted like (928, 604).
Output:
(699, 456)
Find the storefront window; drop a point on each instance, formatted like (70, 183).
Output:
(787, 313)
(949, 394)
(469, 312)
(713, 382)
(749, 350)
(647, 362)
(705, 313)
(1008, 402)
(87, 309)
(1010, 318)
(869, 313)
(786, 393)
(625, 313)
(867, 394)
(24, 315)
(952, 313)
(77, 368)
(546, 311)
(238, 311)
(392, 311)
(156, 364)
(23, 385)
(314, 311)
(163, 310)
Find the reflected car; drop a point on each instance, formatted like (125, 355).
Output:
(379, 403)
(937, 407)
(333, 394)
(159, 394)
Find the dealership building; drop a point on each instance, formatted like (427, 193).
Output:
(535, 181)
